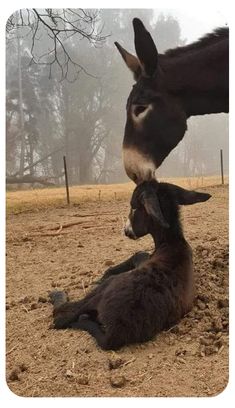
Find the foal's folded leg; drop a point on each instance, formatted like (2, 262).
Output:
(65, 312)
(94, 328)
(131, 263)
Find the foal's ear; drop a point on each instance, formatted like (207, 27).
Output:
(152, 207)
(131, 61)
(186, 197)
(145, 48)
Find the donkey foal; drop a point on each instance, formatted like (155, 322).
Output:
(131, 306)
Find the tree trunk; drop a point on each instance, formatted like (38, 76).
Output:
(30, 154)
(85, 176)
(22, 136)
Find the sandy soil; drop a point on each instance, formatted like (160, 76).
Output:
(191, 359)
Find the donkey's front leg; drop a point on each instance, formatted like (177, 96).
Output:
(131, 263)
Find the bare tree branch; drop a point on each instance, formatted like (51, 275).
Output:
(28, 179)
(59, 25)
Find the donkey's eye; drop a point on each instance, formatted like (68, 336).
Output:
(133, 210)
(139, 109)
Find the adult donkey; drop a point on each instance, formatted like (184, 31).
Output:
(171, 87)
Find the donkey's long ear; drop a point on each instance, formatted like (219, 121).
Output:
(131, 61)
(185, 197)
(152, 207)
(145, 48)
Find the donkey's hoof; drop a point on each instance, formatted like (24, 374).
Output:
(58, 296)
(83, 317)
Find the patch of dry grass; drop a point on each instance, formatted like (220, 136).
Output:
(37, 199)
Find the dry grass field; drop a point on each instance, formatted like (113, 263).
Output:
(51, 245)
(35, 199)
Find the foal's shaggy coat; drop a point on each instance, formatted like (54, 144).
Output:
(134, 305)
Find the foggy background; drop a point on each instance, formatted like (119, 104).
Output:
(72, 102)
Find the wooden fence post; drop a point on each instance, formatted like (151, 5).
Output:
(222, 166)
(66, 180)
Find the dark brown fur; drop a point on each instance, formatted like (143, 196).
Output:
(182, 82)
(134, 305)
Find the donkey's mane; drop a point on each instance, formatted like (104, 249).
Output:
(217, 35)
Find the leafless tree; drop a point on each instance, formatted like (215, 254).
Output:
(50, 32)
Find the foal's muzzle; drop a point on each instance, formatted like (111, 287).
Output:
(129, 231)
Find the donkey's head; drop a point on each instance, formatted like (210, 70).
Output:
(156, 120)
(154, 206)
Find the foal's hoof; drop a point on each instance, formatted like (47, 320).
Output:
(58, 297)
(83, 317)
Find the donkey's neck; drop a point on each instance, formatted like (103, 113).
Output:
(170, 236)
(199, 78)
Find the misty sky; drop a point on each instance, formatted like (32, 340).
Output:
(205, 133)
(196, 23)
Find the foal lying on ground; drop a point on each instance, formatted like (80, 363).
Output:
(132, 305)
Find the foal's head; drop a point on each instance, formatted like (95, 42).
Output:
(154, 206)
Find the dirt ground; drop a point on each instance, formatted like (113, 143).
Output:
(69, 248)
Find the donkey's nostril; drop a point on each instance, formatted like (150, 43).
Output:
(139, 109)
